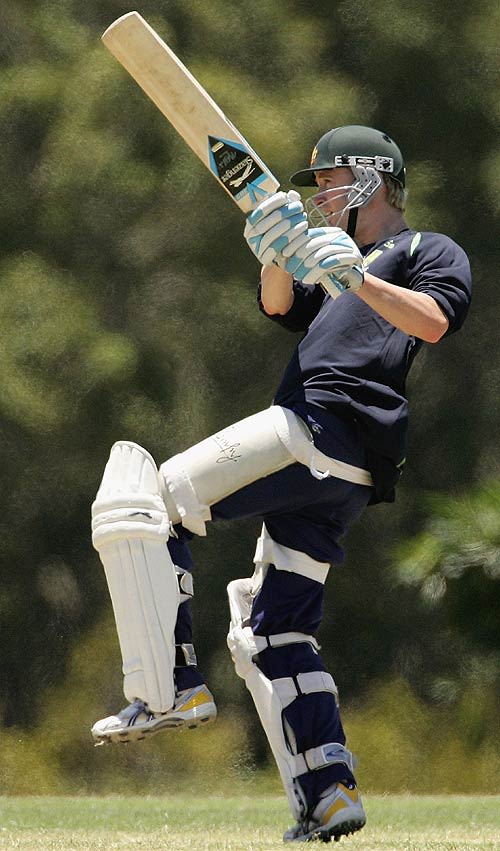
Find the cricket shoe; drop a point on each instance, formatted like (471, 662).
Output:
(339, 813)
(193, 707)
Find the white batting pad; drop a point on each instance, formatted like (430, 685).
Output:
(220, 465)
(130, 529)
(271, 697)
(241, 454)
(241, 643)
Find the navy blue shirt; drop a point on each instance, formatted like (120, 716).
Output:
(352, 363)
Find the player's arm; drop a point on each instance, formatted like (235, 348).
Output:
(415, 313)
(276, 292)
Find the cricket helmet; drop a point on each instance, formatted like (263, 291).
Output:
(368, 153)
(352, 146)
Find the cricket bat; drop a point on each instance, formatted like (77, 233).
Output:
(191, 110)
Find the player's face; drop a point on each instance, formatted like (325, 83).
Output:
(331, 199)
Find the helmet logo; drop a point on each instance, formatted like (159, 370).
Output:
(378, 163)
(314, 155)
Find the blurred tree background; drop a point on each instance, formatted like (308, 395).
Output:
(127, 309)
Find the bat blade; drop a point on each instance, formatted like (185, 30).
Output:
(191, 110)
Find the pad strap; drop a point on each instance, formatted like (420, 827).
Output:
(262, 642)
(185, 655)
(186, 584)
(193, 513)
(295, 435)
(268, 551)
(289, 688)
(315, 758)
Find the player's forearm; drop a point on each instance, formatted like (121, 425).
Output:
(414, 313)
(276, 290)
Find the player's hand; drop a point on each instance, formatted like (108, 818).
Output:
(274, 224)
(326, 256)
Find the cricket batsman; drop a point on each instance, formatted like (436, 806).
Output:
(364, 293)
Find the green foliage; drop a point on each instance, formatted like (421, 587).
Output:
(53, 350)
(403, 744)
(455, 563)
(462, 533)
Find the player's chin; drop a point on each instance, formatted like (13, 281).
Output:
(335, 218)
(339, 219)
(323, 218)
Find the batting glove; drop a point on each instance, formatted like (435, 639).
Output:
(274, 224)
(326, 256)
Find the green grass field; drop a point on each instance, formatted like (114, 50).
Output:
(405, 823)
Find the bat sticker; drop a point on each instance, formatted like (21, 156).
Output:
(236, 168)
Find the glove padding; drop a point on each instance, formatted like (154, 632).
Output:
(326, 256)
(274, 224)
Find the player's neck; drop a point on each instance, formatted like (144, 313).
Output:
(374, 228)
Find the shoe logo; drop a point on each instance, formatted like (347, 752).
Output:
(141, 514)
(330, 755)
